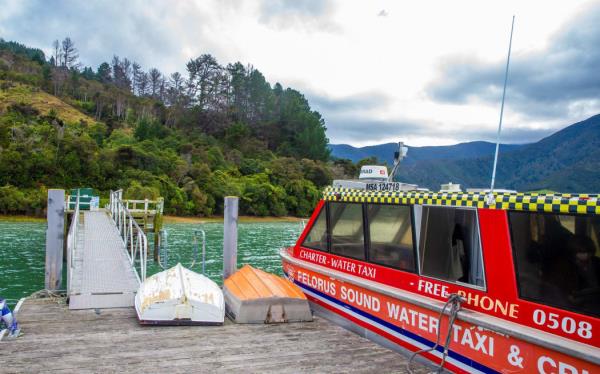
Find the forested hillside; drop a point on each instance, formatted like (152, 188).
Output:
(191, 137)
(217, 130)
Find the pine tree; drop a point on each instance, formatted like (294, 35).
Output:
(69, 54)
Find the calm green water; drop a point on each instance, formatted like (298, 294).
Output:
(22, 254)
(21, 259)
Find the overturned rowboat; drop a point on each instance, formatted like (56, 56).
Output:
(255, 296)
(179, 296)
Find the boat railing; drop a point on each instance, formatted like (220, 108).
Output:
(134, 238)
(72, 242)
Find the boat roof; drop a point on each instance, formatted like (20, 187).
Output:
(520, 201)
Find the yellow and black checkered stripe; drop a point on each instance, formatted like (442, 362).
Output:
(533, 202)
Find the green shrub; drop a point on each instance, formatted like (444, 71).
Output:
(12, 200)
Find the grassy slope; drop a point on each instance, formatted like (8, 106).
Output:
(19, 93)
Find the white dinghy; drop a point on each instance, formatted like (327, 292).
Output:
(179, 296)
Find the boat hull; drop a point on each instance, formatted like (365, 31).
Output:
(409, 327)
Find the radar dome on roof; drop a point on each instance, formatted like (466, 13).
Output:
(373, 172)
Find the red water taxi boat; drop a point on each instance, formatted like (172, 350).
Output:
(383, 259)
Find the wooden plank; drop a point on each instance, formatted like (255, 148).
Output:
(111, 340)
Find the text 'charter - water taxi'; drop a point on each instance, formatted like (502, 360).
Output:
(383, 259)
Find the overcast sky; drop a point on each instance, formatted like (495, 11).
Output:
(425, 72)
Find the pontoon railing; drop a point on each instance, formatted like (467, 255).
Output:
(72, 242)
(163, 248)
(199, 234)
(134, 238)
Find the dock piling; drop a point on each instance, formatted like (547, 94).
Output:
(55, 236)
(230, 221)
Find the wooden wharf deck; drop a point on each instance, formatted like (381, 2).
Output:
(56, 339)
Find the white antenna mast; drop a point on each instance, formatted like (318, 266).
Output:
(491, 194)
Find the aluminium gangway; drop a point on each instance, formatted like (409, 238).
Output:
(106, 257)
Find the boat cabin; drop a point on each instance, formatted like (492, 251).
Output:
(532, 259)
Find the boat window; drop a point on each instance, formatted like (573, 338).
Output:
(557, 259)
(449, 245)
(317, 236)
(347, 236)
(391, 238)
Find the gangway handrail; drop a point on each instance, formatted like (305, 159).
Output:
(134, 238)
(72, 242)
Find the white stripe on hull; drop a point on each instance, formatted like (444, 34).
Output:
(397, 335)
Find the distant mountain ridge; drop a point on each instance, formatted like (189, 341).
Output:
(566, 161)
(385, 152)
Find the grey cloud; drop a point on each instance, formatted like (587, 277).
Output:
(307, 14)
(346, 123)
(362, 101)
(151, 32)
(541, 84)
(349, 129)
